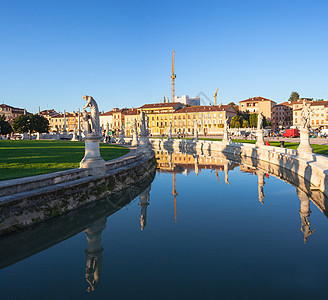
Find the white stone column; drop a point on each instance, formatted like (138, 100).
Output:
(260, 138)
(304, 149)
(92, 159)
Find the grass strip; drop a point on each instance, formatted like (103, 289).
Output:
(27, 158)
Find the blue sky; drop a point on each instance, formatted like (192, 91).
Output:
(120, 52)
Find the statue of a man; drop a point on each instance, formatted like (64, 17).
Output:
(122, 129)
(94, 114)
(226, 124)
(135, 127)
(143, 126)
(260, 121)
(306, 115)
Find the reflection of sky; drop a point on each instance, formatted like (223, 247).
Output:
(225, 244)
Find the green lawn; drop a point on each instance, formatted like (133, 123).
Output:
(27, 158)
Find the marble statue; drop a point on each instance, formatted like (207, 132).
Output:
(122, 129)
(144, 145)
(87, 125)
(94, 115)
(306, 115)
(134, 141)
(143, 126)
(92, 159)
(226, 124)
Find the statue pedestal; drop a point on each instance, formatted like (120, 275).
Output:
(260, 138)
(92, 159)
(225, 139)
(144, 144)
(304, 149)
(134, 139)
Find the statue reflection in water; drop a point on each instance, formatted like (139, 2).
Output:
(305, 214)
(260, 184)
(94, 253)
(226, 172)
(144, 202)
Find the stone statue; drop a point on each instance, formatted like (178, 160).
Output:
(305, 227)
(260, 121)
(87, 125)
(143, 125)
(134, 141)
(94, 115)
(306, 115)
(122, 129)
(226, 124)
(135, 126)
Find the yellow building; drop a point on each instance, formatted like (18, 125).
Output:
(210, 119)
(160, 115)
(72, 121)
(257, 105)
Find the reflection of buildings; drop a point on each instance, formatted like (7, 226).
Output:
(305, 214)
(144, 202)
(94, 253)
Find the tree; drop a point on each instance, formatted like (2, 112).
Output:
(294, 96)
(245, 124)
(30, 123)
(253, 120)
(235, 106)
(5, 127)
(235, 122)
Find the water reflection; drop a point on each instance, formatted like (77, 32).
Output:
(305, 214)
(92, 219)
(94, 253)
(144, 202)
(178, 162)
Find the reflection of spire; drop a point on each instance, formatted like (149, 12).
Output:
(144, 202)
(94, 253)
(226, 170)
(260, 184)
(174, 192)
(217, 175)
(305, 214)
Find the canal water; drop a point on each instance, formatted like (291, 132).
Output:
(204, 228)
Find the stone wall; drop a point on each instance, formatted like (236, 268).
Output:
(32, 206)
